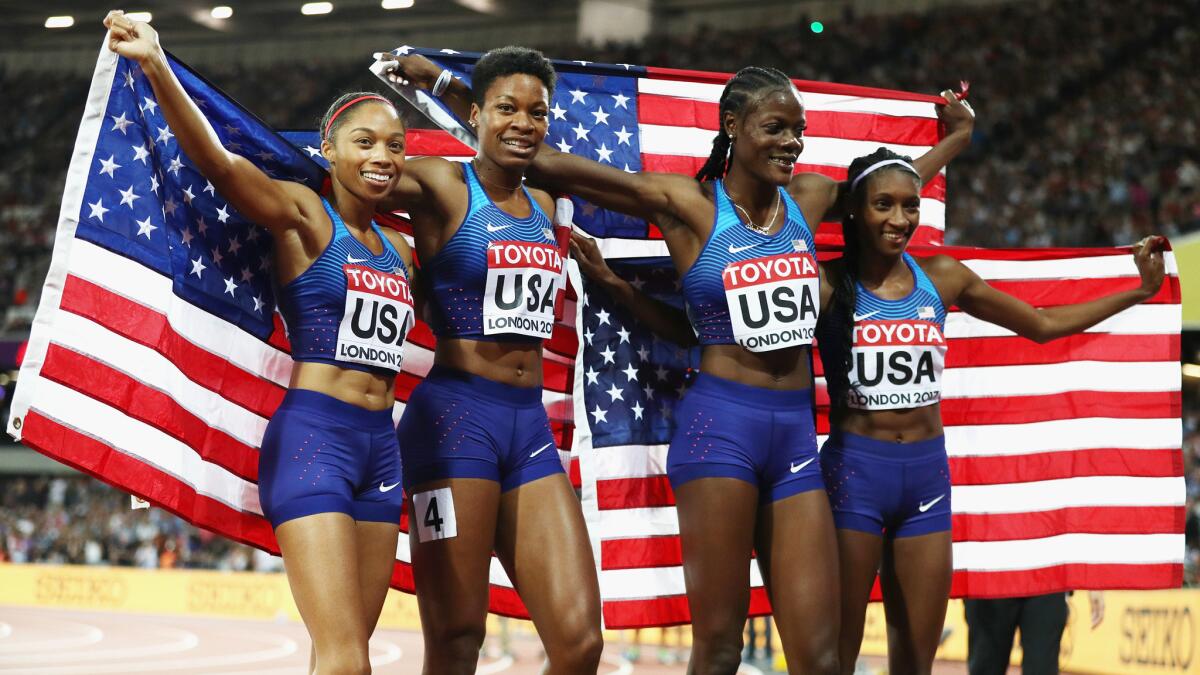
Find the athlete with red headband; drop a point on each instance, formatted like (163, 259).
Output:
(329, 467)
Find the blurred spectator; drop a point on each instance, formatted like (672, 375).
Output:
(79, 520)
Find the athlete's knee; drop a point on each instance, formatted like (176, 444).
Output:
(577, 641)
(457, 643)
(716, 650)
(343, 660)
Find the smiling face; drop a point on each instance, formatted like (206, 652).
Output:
(889, 213)
(513, 120)
(769, 135)
(366, 150)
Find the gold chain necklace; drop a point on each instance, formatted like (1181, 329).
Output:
(761, 229)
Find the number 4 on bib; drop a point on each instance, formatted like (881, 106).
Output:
(433, 513)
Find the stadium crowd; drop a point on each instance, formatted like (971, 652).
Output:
(1087, 137)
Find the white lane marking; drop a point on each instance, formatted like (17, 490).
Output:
(5, 630)
(391, 652)
(90, 635)
(498, 666)
(181, 641)
(623, 665)
(747, 669)
(283, 647)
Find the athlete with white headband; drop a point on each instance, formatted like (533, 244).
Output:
(883, 346)
(743, 460)
(329, 466)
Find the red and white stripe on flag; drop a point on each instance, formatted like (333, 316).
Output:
(677, 119)
(1065, 457)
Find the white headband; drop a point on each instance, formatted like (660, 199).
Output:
(878, 165)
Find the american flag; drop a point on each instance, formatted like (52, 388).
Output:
(156, 359)
(1065, 457)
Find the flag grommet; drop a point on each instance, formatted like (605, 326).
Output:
(16, 423)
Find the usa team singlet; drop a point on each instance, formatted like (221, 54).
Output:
(761, 291)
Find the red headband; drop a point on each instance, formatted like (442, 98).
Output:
(350, 103)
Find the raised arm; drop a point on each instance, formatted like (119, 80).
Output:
(980, 300)
(646, 195)
(663, 320)
(821, 198)
(275, 205)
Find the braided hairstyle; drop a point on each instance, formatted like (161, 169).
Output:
(845, 291)
(739, 90)
(327, 135)
(511, 60)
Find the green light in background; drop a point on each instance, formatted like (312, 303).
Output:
(816, 27)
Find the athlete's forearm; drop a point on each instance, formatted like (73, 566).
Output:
(662, 319)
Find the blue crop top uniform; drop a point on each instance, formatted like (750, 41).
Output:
(350, 309)
(897, 359)
(497, 280)
(760, 291)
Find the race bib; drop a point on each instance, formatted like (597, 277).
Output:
(773, 301)
(522, 283)
(377, 316)
(896, 364)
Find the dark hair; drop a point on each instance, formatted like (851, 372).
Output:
(372, 97)
(845, 291)
(739, 90)
(510, 60)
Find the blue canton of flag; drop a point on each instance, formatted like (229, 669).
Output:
(593, 114)
(145, 200)
(632, 379)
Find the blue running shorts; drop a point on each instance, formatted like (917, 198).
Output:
(765, 437)
(886, 488)
(323, 455)
(460, 425)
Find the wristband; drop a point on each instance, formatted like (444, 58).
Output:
(443, 81)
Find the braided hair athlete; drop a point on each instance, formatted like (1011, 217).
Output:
(883, 347)
(329, 462)
(743, 459)
(480, 463)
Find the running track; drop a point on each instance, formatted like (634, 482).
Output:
(37, 641)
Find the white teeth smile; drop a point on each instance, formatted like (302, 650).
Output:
(376, 177)
(893, 236)
(519, 144)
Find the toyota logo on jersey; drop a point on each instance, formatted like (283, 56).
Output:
(522, 285)
(377, 316)
(896, 364)
(773, 301)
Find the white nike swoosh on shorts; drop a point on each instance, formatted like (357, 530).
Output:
(796, 469)
(925, 507)
(539, 450)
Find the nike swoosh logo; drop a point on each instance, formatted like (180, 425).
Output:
(862, 317)
(539, 450)
(796, 469)
(925, 507)
(354, 261)
(738, 249)
(496, 228)
(387, 488)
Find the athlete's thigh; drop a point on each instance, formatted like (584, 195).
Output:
(797, 553)
(376, 544)
(716, 530)
(542, 540)
(321, 560)
(915, 579)
(452, 529)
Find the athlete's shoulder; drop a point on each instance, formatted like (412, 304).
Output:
(433, 170)
(544, 200)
